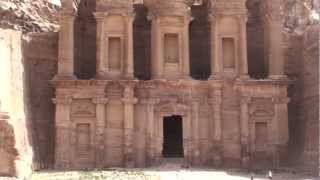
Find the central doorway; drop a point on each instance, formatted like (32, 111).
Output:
(172, 137)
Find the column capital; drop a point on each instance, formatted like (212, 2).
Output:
(66, 16)
(65, 101)
(130, 100)
(281, 100)
(271, 11)
(99, 16)
(100, 100)
(244, 100)
(213, 16)
(243, 18)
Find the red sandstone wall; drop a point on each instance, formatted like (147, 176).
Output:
(302, 66)
(310, 99)
(40, 51)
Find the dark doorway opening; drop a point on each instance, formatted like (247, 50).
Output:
(172, 137)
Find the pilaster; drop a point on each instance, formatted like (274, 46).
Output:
(195, 130)
(216, 66)
(216, 105)
(244, 131)
(150, 131)
(281, 129)
(100, 130)
(129, 101)
(63, 133)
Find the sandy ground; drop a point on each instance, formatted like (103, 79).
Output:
(169, 170)
(148, 174)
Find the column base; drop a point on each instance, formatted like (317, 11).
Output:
(65, 77)
(244, 77)
(215, 77)
(186, 77)
(217, 156)
(278, 77)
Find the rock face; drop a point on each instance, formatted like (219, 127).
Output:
(310, 98)
(8, 153)
(28, 15)
(15, 131)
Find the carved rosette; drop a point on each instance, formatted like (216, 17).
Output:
(169, 7)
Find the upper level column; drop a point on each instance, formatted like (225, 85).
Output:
(170, 38)
(273, 38)
(114, 39)
(66, 41)
(228, 39)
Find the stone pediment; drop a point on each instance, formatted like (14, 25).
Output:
(83, 109)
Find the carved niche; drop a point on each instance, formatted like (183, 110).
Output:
(261, 114)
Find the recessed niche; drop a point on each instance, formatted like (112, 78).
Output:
(83, 138)
(261, 134)
(228, 53)
(114, 53)
(171, 48)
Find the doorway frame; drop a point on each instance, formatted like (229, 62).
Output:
(173, 109)
(170, 120)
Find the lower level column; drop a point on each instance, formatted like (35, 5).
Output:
(129, 131)
(244, 131)
(216, 103)
(63, 156)
(100, 130)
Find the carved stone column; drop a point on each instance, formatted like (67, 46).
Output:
(128, 101)
(130, 58)
(281, 129)
(244, 131)
(195, 130)
(100, 130)
(150, 134)
(243, 44)
(101, 66)
(66, 45)
(186, 49)
(216, 105)
(156, 53)
(63, 133)
(273, 25)
(216, 66)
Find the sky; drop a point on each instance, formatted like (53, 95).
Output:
(57, 2)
